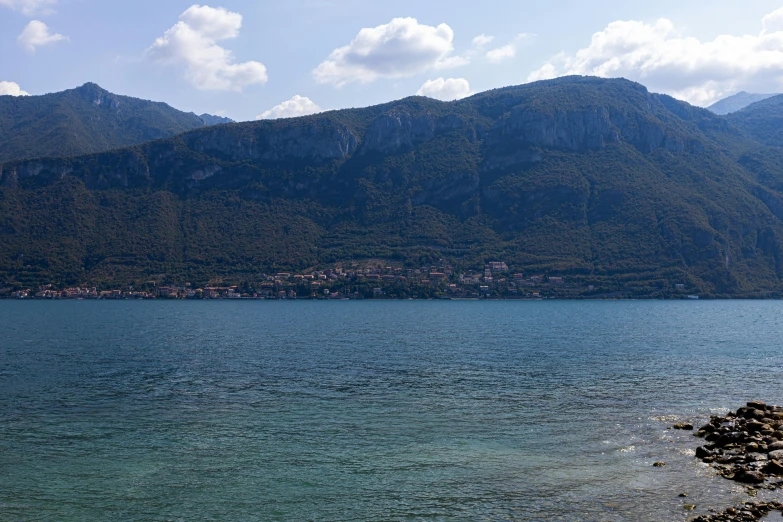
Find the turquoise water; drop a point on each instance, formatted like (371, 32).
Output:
(370, 411)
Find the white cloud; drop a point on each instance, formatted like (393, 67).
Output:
(661, 57)
(37, 34)
(193, 42)
(482, 41)
(446, 90)
(773, 22)
(453, 61)
(30, 7)
(507, 51)
(502, 53)
(296, 106)
(401, 48)
(12, 89)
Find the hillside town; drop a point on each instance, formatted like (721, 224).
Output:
(495, 281)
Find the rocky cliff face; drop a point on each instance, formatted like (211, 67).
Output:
(581, 130)
(398, 130)
(570, 130)
(319, 141)
(517, 135)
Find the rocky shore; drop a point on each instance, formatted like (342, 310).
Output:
(747, 512)
(745, 446)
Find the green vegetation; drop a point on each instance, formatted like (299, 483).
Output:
(737, 102)
(86, 120)
(762, 120)
(619, 191)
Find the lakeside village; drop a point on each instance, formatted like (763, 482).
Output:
(379, 282)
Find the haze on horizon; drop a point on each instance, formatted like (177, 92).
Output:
(248, 60)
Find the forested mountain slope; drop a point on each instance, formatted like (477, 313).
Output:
(737, 102)
(85, 120)
(596, 180)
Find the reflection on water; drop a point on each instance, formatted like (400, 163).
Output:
(372, 410)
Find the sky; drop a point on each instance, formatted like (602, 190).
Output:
(252, 59)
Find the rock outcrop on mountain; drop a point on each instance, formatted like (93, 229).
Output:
(210, 119)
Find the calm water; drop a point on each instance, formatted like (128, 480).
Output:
(370, 411)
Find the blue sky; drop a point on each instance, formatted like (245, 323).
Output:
(250, 58)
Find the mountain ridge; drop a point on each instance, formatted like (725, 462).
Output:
(762, 120)
(737, 102)
(597, 180)
(84, 120)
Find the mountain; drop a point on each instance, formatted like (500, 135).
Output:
(209, 119)
(85, 120)
(762, 120)
(598, 181)
(737, 102)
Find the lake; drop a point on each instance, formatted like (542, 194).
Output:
(372, 411)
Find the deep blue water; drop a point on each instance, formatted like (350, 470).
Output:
(370, 411)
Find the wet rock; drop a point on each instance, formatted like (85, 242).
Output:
(659, 464)
(776, 455)
(702, 452)
(686, 426)
(745, 447)
(773, 467)
(729, 438)
(750, 477)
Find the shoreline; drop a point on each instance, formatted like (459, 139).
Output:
(746, 447)
(458, 299)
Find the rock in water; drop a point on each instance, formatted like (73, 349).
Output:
(750, 477)
(776, 455)
(702, 452)
(774, 467)
(775, 446)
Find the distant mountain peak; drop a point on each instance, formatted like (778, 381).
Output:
(82, 120)
(210, 119)
(91, 85)
(737, 102)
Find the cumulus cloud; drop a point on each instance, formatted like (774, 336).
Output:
(296, 106)
(482, 41)
(193, 41)
(661, 57)
(37, 34)
(12, 89)
(508, 51)
(502, 53)
(30, 7)
(401, 48)
(446, 90)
